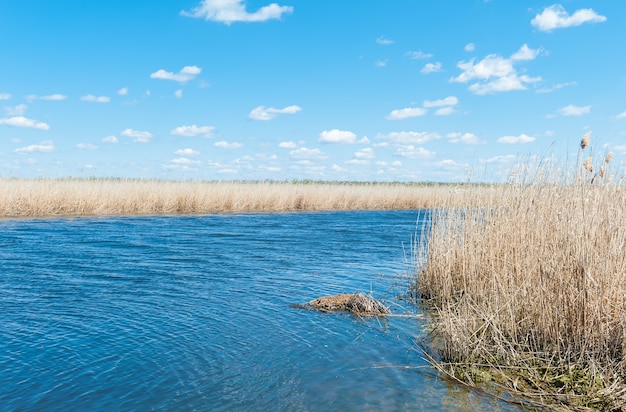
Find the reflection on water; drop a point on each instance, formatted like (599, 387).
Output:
(192, 313)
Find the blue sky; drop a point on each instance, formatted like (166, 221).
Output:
(377, 90)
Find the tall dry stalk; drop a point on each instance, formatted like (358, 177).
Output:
(530, 290)
(98, 197)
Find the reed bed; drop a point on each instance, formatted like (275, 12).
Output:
(528, 290)
(100, 197)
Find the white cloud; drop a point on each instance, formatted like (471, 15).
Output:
(555, 87)
(411, 137)
(229, 11)
(287, 145)
(469, 47)
(18, 110)
(5, 96)
(431, 68)
(337, 136)
(227, 145)
(400, 114)
(183, 76)
(21, 121)
(526, 53)
(193, 130)
(448, 101)
(467, 138)
(414, 152)
(418, 55)
(187, 152)
(380, 63)
(365, 153)
(109, 139)
(571, 110)
(307, 154)
(183, 161)
(622, 115)
(385, 42)
(555, 17)
(178, 93)
(138, 135)
(522, 138)
(95, 99)
(86, 146)
(44, 147)
(499, 159)
(444, 111)
(123, 91)
(269, 113)
(495, 73)
(54, 97)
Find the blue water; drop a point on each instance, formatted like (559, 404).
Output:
(184, 313)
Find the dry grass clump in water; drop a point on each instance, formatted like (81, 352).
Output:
(529, 292)
(102, 197)
(355, 303)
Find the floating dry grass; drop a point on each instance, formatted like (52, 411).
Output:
(528, 293)
(355, 303)
(99, 197)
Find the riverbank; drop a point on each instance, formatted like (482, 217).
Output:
(114, 197)
(528, 294)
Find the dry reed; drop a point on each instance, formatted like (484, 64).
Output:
(529, 291)
(100, 197)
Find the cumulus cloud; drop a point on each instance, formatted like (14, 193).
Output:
(431, 68)
(467, 138)
(448, 101)
(109, 139)
(86, 146)
(495, 73)
(123, 91)
(178, 93)
(287, 145)
(269, 113)
(411, 137)
(337, 136)
(380, 63)
(230, 11)
(522, 138)
(400, 114)
(365, 153)
(187, 152)
(21, 121)
(414, 152)
(53, 97)
(385, 42)
(227, 145)
(571, 110)
(185, 74)
(183, 161)
(418, 55)
(304, 153)
(193, 130)
(95, 99)
(18, 110)
(556, 17)
(469, 47)
(622, 115)
(5, 96)
(43, 147)
(139, 136)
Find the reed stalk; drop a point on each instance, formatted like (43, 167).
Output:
(528, 292)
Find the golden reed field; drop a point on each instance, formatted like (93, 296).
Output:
(110, 197)
(528, 291)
